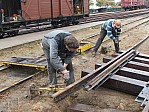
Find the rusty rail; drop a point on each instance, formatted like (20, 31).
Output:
(83, 81)
(19, 82)
(105, 74)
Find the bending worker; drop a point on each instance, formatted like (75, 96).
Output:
(112, 28)
(59, 47)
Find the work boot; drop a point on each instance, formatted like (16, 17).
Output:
(94, 53)
(116, 47)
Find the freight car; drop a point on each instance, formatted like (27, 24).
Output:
(133, 4)
(19, 14)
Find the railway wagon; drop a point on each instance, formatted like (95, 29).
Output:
(133, 4)
(147, 3)
(18, 14)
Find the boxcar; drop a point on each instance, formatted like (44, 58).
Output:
(21, 13)
(147, 3)
(132, 4)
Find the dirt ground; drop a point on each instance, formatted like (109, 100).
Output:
(102, 97)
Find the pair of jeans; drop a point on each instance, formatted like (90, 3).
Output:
(102, 35)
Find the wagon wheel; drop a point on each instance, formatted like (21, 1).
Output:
(13, 33)
(1, 35)
(10, 34)
(75, 22)
(16, 32)
(64, 23)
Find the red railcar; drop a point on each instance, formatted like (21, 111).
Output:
(57, 12)
(133, 4)
(147, 3)
(36, 9)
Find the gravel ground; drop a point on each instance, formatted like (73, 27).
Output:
(103, 98)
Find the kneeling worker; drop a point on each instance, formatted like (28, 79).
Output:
(58, 46)
(112, 28)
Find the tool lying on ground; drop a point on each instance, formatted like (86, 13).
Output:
(35, 91)
(105, 49)
(84, 46)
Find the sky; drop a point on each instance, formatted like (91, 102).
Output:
(117, 0)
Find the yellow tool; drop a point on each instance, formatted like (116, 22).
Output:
(84, 47)
(35, 91)
(52, 88)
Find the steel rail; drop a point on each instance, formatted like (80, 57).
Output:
(19, 82)
(95, 81)
(2, 67)
(139, 43)
(83, 81)
(122, 15)
(104, 75)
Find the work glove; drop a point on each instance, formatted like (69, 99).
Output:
(66, 76)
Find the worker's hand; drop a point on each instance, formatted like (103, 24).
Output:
(65, 65)
(66, 76)
(64, 71)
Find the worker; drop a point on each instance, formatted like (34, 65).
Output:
(112, 28)
(59, 48)
(2, 15)
(15, 18)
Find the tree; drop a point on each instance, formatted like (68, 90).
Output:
(118, 3)
(101, 3)
(91, 2)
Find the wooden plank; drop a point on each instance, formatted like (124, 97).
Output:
(131, 73)
(131, 64)
(137, 65)
(134, 73)
(85, 72)
(146, 56)
(124, 84)
(143, 55)
(141, 60)
(78, 107)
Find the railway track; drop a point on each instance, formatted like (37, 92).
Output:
(114, 15)
(22, 79)
(127, 72)
(13, 76)
(93, 18)
(128, 26)
(14, 86)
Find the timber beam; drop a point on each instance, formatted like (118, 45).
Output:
(123, 84)
(131, 73)
(130, 64)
